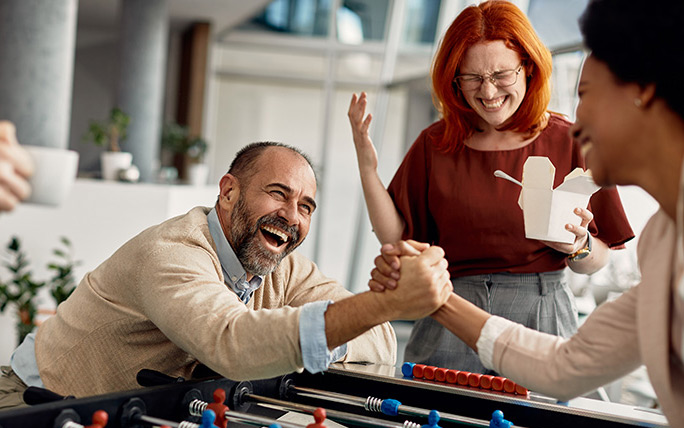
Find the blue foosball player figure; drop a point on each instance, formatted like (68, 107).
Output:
(498, 420)
(407, 369)
(208, 418)
(433, 420)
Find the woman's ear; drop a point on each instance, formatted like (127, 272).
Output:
(647, 95)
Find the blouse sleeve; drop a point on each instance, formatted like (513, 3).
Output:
(610, 222)
(604, 348)
(409, 191)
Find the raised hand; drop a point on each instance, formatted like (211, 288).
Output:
(386, 221)
(366, 155)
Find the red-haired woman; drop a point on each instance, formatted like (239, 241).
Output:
(491, 84)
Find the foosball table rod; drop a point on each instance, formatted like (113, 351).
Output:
(337, 415)
(386, 406)
(134, 414)
(196, 407)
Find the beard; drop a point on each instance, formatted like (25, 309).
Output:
(254, 257)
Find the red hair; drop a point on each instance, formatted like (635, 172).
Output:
(489, 21)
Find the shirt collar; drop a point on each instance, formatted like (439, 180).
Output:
(234, 274)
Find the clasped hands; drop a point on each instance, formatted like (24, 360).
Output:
(414, 276)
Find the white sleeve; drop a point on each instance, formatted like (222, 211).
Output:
(485, 343)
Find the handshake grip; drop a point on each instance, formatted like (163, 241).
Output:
(423, 285)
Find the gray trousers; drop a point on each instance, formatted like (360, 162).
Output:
(542, 301)
(11, 389)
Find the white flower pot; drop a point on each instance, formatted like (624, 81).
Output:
(197, 174)
(113, 162)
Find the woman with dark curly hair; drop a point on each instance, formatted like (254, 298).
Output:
(491, 84)
(631, 119)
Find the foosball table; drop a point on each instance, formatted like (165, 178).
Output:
(347, 394)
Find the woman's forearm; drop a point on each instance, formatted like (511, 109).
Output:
(387, 223)
(462, 318)
(597, 259)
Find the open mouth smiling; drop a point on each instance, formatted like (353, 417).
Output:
(274, 236)
(493, 104)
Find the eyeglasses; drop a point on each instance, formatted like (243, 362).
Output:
(500, 79)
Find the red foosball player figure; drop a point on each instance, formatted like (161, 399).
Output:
(509, 386)
(418, 370)
(429, 372)
(219, 408)
(452, 376)
(474, 380)
(486, 381)
(100, 419)
(521, 390)
(498, 383)
(319, 417)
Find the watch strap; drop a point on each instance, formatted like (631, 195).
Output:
(582, 253)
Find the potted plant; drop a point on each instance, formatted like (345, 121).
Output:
(63, 283)
(188, 153)
(20, 290)
(110, 133)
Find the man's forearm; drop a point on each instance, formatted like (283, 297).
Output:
(348, 318)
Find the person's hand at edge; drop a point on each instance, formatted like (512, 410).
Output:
(16, 166)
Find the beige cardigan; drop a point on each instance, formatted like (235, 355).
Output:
(617, 337)
(160, 303)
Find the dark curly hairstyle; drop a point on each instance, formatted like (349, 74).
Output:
(640, 42)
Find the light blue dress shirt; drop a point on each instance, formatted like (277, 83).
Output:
(312, 339)
(314, 344)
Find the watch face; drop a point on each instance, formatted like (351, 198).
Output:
(582, 254)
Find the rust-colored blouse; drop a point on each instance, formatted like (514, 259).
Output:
(455, 201)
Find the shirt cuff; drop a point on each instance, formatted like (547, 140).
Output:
(312, 339)
(23, 362)
(485, 343)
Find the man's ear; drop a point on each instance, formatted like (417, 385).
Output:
(229, 191)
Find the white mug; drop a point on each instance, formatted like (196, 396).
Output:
(54, 174)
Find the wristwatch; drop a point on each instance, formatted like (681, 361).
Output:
(580, 254)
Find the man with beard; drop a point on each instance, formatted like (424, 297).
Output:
(221, 286)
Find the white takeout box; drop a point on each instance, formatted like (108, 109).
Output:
(547, 210)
